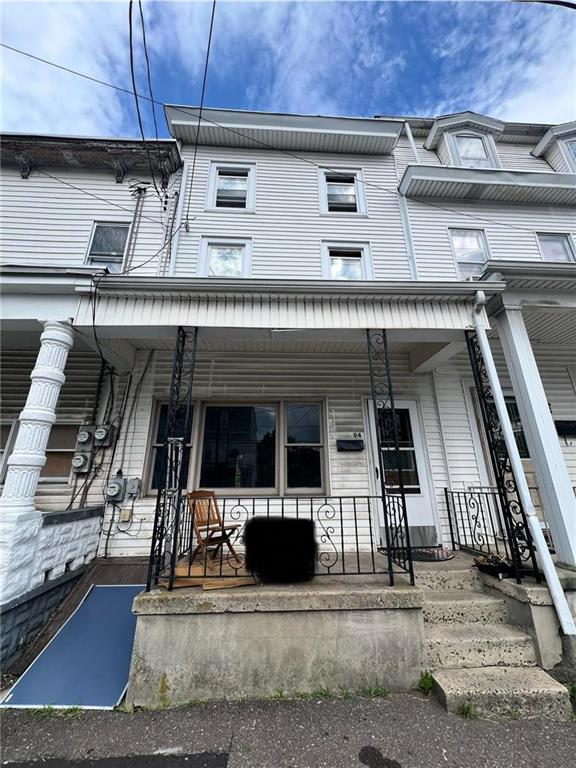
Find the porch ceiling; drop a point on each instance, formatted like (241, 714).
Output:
(554, 326)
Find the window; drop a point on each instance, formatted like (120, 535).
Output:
(572, 150)
(555, 247)
(59, 452)
(346, 262)
(225, 258)
(407, 451)
(231, 186)
(108, 245)
(342, 191)
(239, 447)
(470, 251)
(263, 448)
(304, 451)
(159, 435)
(472, 152)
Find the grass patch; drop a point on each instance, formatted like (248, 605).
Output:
(467, 711)
(572, 693)
(426, 682)
(276, 695)
(377, 692)
(320, 694)
(69, 713)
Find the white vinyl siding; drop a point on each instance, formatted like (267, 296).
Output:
(510, 236)
(287, 229)
(44, 221)
(518, 157)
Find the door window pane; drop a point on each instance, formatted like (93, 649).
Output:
(514, 414)
(406, 456)
(403, 427)
(304, 467)
(226, 260)
(555, 247)
(408, 467)
(303, 423)
(239, 449)
(345, 264)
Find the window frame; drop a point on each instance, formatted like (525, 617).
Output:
(567, 152)
(207, 241)
(345, 245)
(571, 247)
(453, 249)
(489, 147)
(212, 187)
(359, 187)
(88, 261)
(280, 488)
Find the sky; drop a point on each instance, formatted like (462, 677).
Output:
(515, 61)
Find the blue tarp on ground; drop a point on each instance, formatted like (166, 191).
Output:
(86, 663)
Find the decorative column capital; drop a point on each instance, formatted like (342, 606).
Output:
(59, 332)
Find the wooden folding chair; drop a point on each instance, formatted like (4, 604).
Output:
(209, 529)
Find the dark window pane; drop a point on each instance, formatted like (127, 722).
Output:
(109, 239)
(514, 414)
(239, 448)
(58, 464)
(403, 427)
(4, 432)
(303, 423)
(157, 451)
(304, 467)
(408, 467)
(63, 436)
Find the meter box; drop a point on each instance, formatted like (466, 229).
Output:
(82, 459)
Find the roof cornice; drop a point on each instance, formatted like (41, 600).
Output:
(462, 120)
(553, 134)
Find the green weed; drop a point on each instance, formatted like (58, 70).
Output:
(426, 682)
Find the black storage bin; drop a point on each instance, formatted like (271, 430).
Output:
(280, 549)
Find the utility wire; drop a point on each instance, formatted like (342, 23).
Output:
(145, 45)
(388, 190)
(200, 112)
(135, 93)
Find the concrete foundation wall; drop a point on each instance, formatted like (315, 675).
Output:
(264, 639)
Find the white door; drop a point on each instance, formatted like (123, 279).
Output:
(414, 466)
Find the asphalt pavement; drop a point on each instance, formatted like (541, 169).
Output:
(400, 731)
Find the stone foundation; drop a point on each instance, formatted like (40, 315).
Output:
(254, 641)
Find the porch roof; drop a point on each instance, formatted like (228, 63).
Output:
(206, 302)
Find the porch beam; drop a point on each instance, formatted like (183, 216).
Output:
(426, 358)
(550, 469)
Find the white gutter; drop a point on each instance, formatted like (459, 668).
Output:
(178, 220)
(545, 560)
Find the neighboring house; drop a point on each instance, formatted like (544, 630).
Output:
(282, 239)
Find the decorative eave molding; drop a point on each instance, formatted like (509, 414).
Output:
(563, 131)
(462, 120)
(533, 269)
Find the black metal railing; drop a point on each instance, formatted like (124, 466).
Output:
(346, 531)
(477, 522)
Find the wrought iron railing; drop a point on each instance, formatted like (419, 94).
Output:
(478, 525)
(346, 531)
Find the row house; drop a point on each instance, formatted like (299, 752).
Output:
(308, 316)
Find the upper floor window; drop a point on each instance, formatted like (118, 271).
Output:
(108, 245)
(572, 150)
(473, 152)
(342, 191)
(232, 186)
(470, 251)
(346, 262)
(555, 247)
(225, 258)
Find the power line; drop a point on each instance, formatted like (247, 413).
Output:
(387, 190)
(200, 111)
(138, 115)
(145, 45)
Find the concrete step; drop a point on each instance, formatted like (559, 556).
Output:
(503, 693)
(463, 606)
(478, 645)
(441, 579)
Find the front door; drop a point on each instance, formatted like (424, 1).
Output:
(413, 462)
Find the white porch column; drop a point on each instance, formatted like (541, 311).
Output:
(19, 520)
(554, 484)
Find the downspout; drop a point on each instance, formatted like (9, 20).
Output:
(178, 220)
(411, 141)
(404, 216)
(545, 560)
